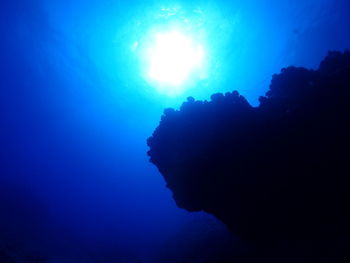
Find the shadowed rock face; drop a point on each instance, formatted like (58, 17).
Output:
(279, 171)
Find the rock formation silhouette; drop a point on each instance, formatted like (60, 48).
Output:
(278, 172)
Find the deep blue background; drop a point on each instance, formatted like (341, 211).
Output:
(75, 112)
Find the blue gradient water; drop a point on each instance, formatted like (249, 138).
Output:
(76, 110)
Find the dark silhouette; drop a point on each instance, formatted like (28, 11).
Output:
(278, 174)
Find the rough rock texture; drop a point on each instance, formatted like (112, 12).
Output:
(276, 172)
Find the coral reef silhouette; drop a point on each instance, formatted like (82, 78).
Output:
(275, 173)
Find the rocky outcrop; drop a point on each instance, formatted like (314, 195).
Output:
(279, 171)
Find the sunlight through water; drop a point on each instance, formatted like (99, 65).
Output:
(173, 51)
(172, 59)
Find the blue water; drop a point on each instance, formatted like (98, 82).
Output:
(75, 182)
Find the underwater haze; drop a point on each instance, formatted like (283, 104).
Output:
(77, 104)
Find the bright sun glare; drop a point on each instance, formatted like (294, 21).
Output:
(172, 58)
